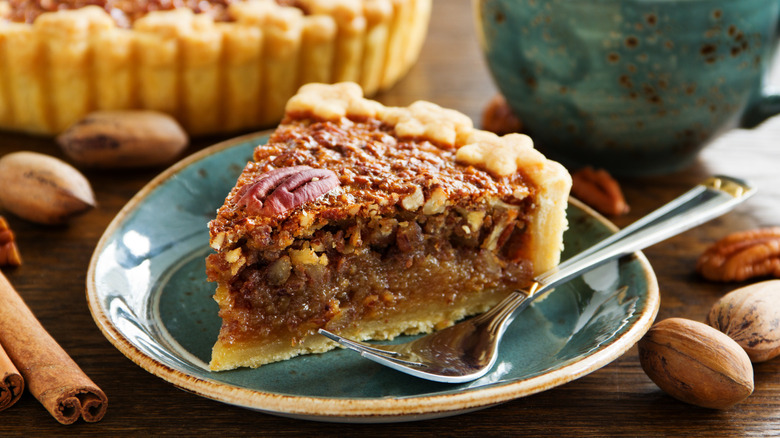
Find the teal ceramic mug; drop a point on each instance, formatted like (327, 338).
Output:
(633, 86)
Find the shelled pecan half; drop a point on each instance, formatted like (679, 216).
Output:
(286, 188)
(598, 189)
(498, 117)
(9, 252)
(742, 255)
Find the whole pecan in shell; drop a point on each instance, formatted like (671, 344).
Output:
(696, 363)
(742, 255)
(750, 315)
(284, 189)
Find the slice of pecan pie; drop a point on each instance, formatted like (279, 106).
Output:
(215, 65)
(375, 221)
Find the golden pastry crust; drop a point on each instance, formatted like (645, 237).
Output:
(212, 76)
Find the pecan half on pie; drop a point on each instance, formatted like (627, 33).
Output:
(215, 65)
(375, 221)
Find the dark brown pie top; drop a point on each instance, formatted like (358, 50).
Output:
(381, 172)
(125, 12)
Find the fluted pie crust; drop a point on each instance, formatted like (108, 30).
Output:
(431, 220)
(214, 77)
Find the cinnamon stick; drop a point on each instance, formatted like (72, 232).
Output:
(50, 374)
(11, 382)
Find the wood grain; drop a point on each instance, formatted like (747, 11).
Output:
(618, 400)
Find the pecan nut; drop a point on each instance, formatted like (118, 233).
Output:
(598, 189)
(499, 118)
(9, 252)
(286, 188)
(742, 255)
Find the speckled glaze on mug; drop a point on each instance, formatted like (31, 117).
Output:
(634, 86)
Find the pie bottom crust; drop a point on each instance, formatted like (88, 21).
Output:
(213, 77)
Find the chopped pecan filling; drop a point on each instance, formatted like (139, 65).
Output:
(366, 267)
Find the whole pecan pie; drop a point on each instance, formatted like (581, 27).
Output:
(215, 65)
(374, 221)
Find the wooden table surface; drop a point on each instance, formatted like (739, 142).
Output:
(617, 400)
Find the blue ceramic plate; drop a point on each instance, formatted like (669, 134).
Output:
(148, 293)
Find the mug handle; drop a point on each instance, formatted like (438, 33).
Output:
(760, 108)
(762, 105)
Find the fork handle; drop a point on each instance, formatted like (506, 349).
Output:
(710, 199)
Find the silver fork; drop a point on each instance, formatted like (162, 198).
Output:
(468, 350)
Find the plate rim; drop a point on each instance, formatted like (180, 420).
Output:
(377, 409)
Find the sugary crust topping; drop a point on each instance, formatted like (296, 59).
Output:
(351, 15)
(123, 12)
(83, 21)
(266, 13)
(171, 24)
(429, 121)
(348, 13)
(332, 102)
(501, 156)
(422, 120)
